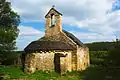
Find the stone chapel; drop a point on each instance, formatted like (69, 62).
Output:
(58, 50)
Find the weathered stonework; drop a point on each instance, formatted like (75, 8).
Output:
(82, 58)
(30, 63)
(57, 28)
(45, 61)
(61, 61)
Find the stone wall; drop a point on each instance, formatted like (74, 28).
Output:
(82, 58)
(87, 58)
(74, 60)
(66, 62)
(30, 63)
(45, 61)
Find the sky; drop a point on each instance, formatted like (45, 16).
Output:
(89, 20)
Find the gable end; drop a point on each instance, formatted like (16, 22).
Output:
(51, 10)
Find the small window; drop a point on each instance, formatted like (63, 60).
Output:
(52, 20)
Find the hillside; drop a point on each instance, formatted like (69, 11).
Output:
(100, 46)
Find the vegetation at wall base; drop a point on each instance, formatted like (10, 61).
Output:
(15, 73)
(92, 73)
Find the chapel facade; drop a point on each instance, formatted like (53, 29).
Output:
(58, 50)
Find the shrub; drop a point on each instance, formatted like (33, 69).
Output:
(97, 57)
(10, 58)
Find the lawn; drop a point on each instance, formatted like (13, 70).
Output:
(16, 73)
(92, 73)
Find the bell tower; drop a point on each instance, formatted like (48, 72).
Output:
(53, 22)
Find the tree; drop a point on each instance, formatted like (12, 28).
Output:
(9, 20)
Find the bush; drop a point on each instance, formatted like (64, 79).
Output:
(10, 58)
(97, 57)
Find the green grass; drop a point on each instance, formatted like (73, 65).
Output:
(17, 73)
(92, 73)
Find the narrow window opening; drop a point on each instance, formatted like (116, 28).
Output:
(52, 20)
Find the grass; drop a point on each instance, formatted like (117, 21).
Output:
(92, 73)
(16, 73)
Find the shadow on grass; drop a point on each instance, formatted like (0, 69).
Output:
(100, 73)
(93, 73)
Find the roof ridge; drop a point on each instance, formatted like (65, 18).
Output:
(74, 38)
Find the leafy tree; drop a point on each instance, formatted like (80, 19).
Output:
(9, 20)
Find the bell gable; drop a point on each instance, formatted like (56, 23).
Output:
(53, 22)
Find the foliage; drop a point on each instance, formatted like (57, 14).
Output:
(97, 57)
(100, 46)
(99, 73)
(9, 20)
(114, 55)
(98, 54)
(108, 68)
(105, 65)
(11, 59)
(113, 58)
